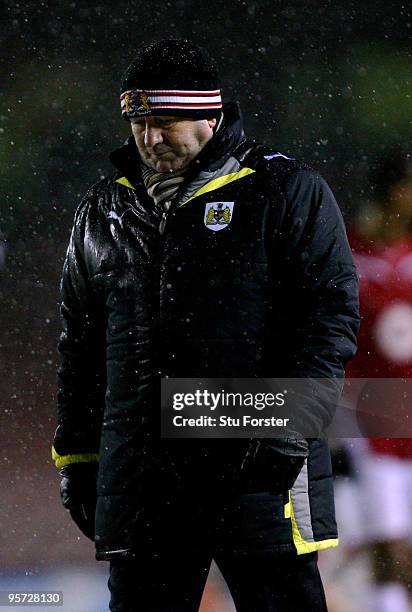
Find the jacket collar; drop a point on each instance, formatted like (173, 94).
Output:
(215, 153)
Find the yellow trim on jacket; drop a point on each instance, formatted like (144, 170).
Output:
(123, 181)
(302, 546)
(217, 183)
(62, 460)
(286, 510)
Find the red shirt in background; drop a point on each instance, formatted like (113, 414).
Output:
(385, 338)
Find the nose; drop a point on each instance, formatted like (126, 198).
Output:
(152, 136)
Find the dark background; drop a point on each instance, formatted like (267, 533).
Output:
(323, 81)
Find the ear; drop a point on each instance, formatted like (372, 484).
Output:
(212, 122)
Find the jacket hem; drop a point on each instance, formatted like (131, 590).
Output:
(302, 547)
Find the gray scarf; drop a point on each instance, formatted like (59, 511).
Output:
(162, 186)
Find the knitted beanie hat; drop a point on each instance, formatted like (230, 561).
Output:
(171, 77)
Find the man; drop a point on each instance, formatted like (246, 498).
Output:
(382, 243)
(155, 285)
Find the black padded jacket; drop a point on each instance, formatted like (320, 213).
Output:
(146, 294)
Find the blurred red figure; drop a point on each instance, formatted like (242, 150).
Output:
(382, 246)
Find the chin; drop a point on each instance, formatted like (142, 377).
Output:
(168, 165)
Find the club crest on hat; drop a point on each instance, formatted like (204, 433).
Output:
(144, 101)
(218, 215)
(127, 103)
(137, 101)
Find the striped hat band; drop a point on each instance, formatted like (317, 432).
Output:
(140, 102)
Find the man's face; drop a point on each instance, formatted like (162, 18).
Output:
(170, 143)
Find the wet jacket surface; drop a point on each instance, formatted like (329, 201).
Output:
(271, 294)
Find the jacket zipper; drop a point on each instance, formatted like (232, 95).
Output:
(164, 209)
(166, 206)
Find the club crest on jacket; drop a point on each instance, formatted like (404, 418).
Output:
(218, 215)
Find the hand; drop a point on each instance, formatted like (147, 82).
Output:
(79, 496)
(272, 464)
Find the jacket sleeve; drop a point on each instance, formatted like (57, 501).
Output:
(318, 314)
(81, 350)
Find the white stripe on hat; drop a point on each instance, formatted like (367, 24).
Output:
(176, 98)
(177, 92)
(184, 99)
